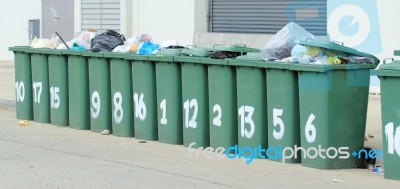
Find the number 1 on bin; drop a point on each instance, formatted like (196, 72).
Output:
(163, 107)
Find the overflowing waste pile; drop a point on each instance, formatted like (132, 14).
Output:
(291, 44)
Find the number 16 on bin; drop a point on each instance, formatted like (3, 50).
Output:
(392, 138)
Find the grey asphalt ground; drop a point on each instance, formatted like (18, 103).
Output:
(47, 156)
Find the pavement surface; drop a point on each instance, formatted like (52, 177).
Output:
(47, 156)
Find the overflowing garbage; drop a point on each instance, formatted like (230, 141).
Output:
(291, 44)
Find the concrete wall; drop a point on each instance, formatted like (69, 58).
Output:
(14, 16)
(168, 20)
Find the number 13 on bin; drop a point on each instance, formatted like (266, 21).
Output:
(246, 114)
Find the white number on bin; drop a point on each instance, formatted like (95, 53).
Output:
(246, 119)
(37, 91)
(118, 111)
(310, 131)
(192, 104)
(95, 110)
(54, 97)
(140, 106)
(20, 91)
(217, 120)
(163, 107)
(277, 114)
(393, 138)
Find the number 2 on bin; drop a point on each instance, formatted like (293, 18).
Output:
(95, 110)
(192, 104)
(392, 138)
(246, 119)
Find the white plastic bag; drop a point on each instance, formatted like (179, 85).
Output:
(281, 44)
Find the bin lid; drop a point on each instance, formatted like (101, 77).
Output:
(134, 56)
(72, 52)
(337, 47)
(92, 54)
(19, 48)
(160, 58)
(388, 69)
(214, 61)
(44, 51)
(234, 48)
(169, 52)
(275, 65)
(115, 55)
(254, 56)
(195, 51)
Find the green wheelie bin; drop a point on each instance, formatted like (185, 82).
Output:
(99, 91)
(251, 105)
(40, 85)
(169, 97)
(283, 111)
(23, 82)
(389, 75)
(58, 83)
(78, 88)
(121, 94)
(222, 103)
(144, 97)
(333, 102)
(194, 102)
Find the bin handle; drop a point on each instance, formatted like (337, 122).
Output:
(385, 60)
(190, 46)
(338, 42)
(243, 45)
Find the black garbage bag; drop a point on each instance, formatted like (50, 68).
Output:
(107, 41)
(224, 54)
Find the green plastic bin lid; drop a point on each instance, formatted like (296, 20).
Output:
(115, 54)
(234, 48)
(254, 56)
(275, 65)
(195, 51)
(388, 69)
(92, 54)
(337, 47)
(19, 48)
(169, 52)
